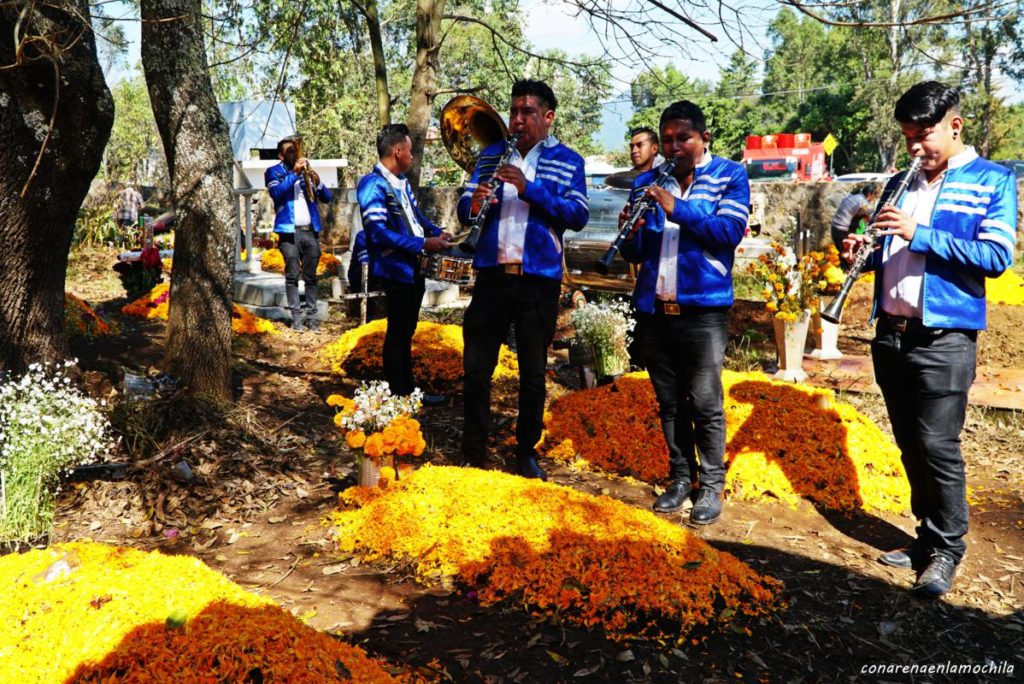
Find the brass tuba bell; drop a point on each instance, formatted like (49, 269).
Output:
(468, 125)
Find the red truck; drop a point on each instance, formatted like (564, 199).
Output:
(784, 156)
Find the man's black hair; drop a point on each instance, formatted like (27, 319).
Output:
(927, 103)
(389, 136)
(539, 89)
(684, 110)
(645, 129)
(283, 141)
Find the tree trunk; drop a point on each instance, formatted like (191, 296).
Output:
(195, 138)
(424, 77)
(36, 229)
(380, 67)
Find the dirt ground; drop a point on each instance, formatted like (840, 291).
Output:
(268, 469)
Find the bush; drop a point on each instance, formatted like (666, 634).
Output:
(47, 426)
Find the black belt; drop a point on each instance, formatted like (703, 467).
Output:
(674, 309)
(667, 308)
(901, 324)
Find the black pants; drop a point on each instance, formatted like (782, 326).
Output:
(924, 374)
(499, 299)
(684, 356)
(301, 252)
(404, 301)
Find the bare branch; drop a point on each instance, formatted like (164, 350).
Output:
(804, 8)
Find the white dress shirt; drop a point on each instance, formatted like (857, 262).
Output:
(667, 282)
(401, 186)
(515, 213)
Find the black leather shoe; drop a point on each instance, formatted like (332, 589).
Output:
(674, 498)
(708, 508)
(528, 467)
(297, 325)
(937, 577)
(910, 557)
(434, 400)
(312, 325)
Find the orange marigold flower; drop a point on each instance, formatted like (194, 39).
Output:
(355, 438)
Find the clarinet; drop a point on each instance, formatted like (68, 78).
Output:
(477, 224)
(834, 311)
(604, 264)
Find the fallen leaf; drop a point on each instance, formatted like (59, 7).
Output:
(334, 569)
(274, 519)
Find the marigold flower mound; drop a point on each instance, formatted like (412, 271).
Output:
(784, 441)
(155, 304)
(436, 355)
(272, 260)
(1006, 289)
(81, 320)
(87, 612)
(592, 561)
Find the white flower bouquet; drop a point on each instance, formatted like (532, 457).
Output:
(606, 329)
(47, 426)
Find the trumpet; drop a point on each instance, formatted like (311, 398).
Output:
(604, 264)
(307, 173)
(469, 244)
(834, 311)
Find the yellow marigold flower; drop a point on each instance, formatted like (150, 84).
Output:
(335, 400)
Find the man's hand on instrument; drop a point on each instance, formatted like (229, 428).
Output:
(512, 175)
(624, 216)
(894, 221)
(852, 245)
(435, 244)
(316, 178)
(476, 202)
(663, 197)
(300, 164)
(447, 236)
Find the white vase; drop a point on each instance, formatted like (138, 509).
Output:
(826, 337)
(790, 338)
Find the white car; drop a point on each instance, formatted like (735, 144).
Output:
(862, 177)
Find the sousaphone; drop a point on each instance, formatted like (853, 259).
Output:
(468, 125)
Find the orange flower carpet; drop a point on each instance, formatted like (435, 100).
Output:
(81, 320)
(87, 612)
(784, 441)
(154, 305)
(272, 260)
(592, 561)
(436, 355)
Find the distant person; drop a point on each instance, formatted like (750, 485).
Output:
(643, 148)
(129, 202)
(854, 208)
(297, 224)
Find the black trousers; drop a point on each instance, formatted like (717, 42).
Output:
(684, 355)
(301, 252)
(924, 374)
(499, 299)
(404, 301)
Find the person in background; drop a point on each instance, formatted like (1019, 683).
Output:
(955, 227)
(643, 149)
(855, 207)
(297, 224)
(129, 202)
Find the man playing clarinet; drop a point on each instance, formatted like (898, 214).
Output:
(685, 244)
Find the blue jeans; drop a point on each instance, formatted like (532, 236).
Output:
(684, 356)
(924, 374)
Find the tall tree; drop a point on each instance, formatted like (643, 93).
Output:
(195, 138)
(424, 78)
(57, 114)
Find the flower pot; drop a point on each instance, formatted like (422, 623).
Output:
(826, 338)
(790, 338)
(369, 470)
(609, 363)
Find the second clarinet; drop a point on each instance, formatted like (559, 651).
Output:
(834, 311)
(604, 264)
